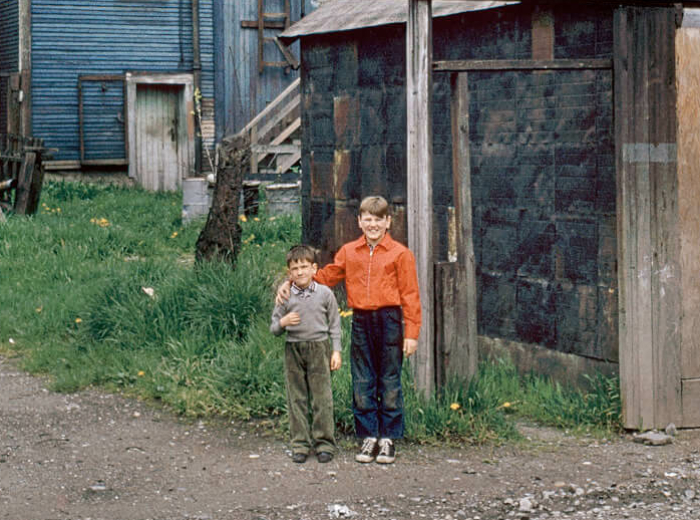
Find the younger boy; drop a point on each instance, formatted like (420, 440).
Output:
(382, 289)
(309, 317)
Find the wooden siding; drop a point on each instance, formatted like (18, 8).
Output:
(9, 36)
(244, 92)
(89, 37)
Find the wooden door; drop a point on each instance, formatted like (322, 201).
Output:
(158, 136)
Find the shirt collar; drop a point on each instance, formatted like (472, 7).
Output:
(304, 293)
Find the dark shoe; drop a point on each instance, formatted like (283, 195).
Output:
(299, 458)
(387, 452)
(368, 451)
(324, 457)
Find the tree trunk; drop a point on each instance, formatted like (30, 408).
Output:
(221, 236)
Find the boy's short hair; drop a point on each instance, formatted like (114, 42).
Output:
(301, 252)
(374, 205)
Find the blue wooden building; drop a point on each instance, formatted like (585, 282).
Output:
(140, 85)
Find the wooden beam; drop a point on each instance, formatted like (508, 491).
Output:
(269, 24)
(463, 361)
(419, 90)
(647, 218)
(505, 65)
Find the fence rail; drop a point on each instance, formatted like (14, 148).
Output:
(21, 173)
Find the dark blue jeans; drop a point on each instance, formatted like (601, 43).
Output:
(375, 362)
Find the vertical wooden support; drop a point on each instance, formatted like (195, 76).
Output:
(261, 36)
(25, 66)
(647, 216)
(25, 184)
(688, 81)
(463, 361)
(419, 49)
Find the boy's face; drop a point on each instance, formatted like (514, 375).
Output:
(302, 272)
(373, 227)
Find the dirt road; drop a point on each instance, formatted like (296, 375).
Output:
(97, 456)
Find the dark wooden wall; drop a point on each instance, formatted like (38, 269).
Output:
(542, 165)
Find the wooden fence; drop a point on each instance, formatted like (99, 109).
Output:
(21, 173)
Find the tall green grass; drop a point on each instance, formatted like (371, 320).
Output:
(101, 288)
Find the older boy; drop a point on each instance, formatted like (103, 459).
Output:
(382, 289)
(309, 317)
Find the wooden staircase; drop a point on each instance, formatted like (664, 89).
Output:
(274, 134)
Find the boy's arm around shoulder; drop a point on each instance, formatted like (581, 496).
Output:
(409, 293)
(334, 272)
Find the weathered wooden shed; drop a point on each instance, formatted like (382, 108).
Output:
(111, 83)
(566, 130)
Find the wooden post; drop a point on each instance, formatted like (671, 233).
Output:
(25, 66)
(463, 362)
(419, 90)
(23, 191)
(647, 216)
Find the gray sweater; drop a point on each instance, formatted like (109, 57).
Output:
(319, 315)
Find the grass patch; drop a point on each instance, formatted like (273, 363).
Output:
(100, 288)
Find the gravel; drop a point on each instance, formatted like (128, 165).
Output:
(98, 456)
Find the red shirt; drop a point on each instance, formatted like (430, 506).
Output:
(383, 277)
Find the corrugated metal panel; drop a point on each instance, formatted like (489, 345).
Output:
(246, 92)
(106, 37)
(9, 36)
(347, 15)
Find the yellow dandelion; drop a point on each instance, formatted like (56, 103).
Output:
(141, 373)
(39, 309)
(506, 405)
(78, 320)
(242, 218)
(174, 234)
(455, 406)
(256, 219)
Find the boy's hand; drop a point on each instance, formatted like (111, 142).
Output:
(409, 346)
(283, 292)
(336, 360)
(291, 318)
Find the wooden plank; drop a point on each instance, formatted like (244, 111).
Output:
(542, 34)
(691, 398)
(688, 80)
(465, 357)
(261, 35)
(284, 165)
(291, 59)
(419, 90)
(623, 100)
(647, 216)
(25, 54)
(275, 148)
(285, 111)
(269, 24)
(24, 184)
(446, 325)
(509, 65)
(273, 105)
(666, 281)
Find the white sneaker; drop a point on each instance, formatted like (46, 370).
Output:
(368, 451)
(387, 452)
